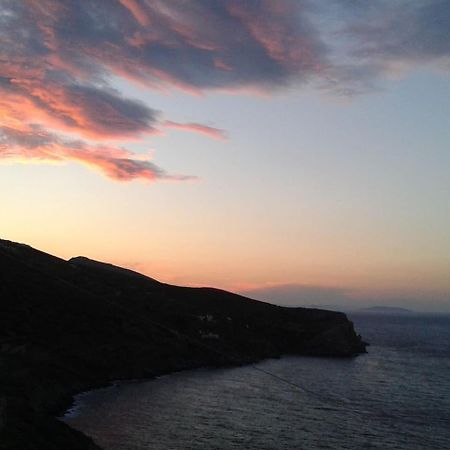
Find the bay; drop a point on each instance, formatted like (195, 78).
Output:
(395, 397)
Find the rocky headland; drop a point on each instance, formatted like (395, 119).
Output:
(69, 326)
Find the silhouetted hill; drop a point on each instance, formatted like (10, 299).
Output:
(67, 326)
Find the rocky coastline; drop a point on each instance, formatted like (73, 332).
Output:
(71, 326)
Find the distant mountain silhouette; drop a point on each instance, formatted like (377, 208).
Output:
(68, 326)
(385, 310)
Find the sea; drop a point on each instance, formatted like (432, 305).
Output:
(397, 396)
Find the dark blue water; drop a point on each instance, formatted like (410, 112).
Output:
(395, 397)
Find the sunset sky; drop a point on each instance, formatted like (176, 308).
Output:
(294, 150)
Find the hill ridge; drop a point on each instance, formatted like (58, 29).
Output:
(68, 326)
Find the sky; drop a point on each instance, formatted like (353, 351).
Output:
(296, 151)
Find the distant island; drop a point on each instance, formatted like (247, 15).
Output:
(70, 326)
(385, 310)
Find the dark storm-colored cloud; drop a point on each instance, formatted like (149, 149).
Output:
(57, 56)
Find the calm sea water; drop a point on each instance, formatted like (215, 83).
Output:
(395, 397)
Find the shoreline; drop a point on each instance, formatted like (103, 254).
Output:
(61, 411)
(119, 383)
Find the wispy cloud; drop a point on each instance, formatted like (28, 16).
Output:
(369, 41)
(215, 133)
(37, 145)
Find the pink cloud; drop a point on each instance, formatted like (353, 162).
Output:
(137, 11)
(215, 133)
(276, 33)
(86, 110)
(34, 144)
(58, 57)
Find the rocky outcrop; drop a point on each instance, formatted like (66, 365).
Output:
(67, 326)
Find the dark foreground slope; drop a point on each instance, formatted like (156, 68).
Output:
(66, 326)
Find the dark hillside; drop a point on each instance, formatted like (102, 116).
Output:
(66, 326)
